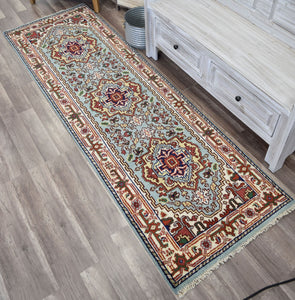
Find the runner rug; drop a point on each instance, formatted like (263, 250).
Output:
(190, 194)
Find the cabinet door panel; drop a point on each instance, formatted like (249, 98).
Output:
(264, 7)
(284, 15)
(185, 53)
(241, 99)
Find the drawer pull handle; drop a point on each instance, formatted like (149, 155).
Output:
(238, 98)
(175, 47)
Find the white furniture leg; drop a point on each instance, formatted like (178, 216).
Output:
(283, 143)
(151, 50)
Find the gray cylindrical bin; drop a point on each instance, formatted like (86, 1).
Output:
(134, 27)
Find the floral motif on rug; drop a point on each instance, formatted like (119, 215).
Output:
(191, 195)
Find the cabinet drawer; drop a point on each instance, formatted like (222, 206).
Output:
(241, 99)
(184, 53)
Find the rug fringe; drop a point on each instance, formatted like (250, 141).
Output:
(197, 280)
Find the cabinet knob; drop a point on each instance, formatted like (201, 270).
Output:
(238, 98)
(175, 47)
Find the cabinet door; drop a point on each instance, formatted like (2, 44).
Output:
(183, 50)
(242, 99)
(264, 7)
(284, 15)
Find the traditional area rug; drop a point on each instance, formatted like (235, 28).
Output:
(189, 193)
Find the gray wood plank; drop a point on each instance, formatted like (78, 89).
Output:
(40, 136)
(26, 273)
(22, 140)
(11, 163)
(141, 265)
(51, 122)
(98, 284)
(64, 248)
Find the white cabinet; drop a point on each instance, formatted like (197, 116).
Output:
(244, 67)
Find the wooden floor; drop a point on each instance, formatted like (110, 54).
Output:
(63, 237)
